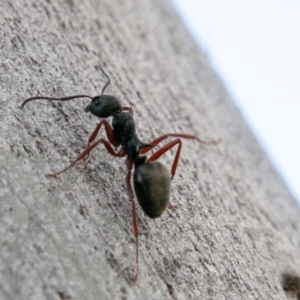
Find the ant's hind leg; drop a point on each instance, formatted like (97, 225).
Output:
(134, 218)
(156, 141)
(166, 148)
(162, 151)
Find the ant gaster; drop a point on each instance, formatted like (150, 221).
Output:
(152, 180)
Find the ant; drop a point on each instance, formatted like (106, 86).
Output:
(151, 179)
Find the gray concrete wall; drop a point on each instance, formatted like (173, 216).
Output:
(236, 229)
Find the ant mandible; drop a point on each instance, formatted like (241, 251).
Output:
(152, 180)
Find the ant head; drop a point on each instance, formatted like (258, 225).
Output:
(104, 106)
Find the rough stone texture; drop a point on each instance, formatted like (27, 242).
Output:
(236, 230)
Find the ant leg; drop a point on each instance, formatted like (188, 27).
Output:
(109, 134)
(134, 218)
(108, 129)
(124, 108)
(166, 148)
(179, 135)
(162, 151)
(86, 152)
(171, 206)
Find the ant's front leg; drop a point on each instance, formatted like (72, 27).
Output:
(87, 151)
(109, 131)
(156, 141)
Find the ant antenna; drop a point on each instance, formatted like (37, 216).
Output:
(55, 99)
(107, 83)
(68, 97)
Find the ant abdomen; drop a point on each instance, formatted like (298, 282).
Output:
(152, 185)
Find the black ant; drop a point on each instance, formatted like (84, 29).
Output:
(152, 180)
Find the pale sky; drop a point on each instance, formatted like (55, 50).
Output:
(254, 46)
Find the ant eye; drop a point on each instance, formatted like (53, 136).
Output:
(97, 102)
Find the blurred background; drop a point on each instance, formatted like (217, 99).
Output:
(254, 47)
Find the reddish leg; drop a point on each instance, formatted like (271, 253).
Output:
(162, 151)
(129, 165)
(124, 108)
(166, 148)
(171, 206)
(179, 135)
(109, 133)
(86, 152)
